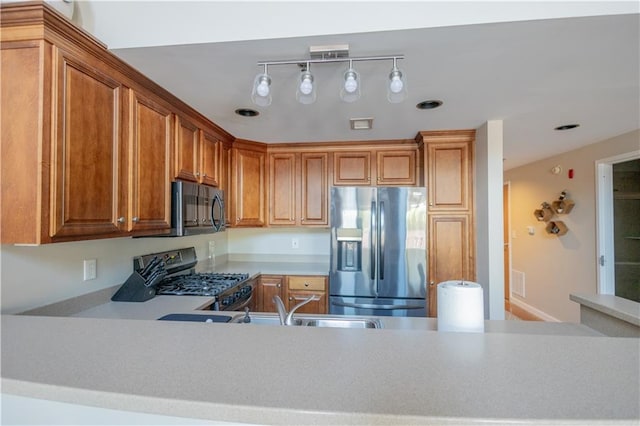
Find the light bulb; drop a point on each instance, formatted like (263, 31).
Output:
(396, 84)
(350, 84)
(263, 88)
(306, 87)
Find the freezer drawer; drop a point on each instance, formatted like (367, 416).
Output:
(377, 306)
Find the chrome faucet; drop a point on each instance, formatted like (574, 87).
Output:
(287, 318)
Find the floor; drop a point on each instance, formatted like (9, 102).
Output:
(509, 316)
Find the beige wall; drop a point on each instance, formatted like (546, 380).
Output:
(555, 266)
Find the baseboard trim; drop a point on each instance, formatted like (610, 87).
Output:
(529, 313)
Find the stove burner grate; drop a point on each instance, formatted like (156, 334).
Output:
(202, 284)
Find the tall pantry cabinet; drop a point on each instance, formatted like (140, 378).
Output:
(449, 171)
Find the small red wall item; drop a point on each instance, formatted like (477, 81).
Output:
(570, 173)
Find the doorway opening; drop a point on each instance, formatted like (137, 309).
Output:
(618, 201)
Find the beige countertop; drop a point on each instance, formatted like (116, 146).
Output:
(268, 268)
(617, 307)
(296, 375)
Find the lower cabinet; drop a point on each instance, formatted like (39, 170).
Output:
(292, 289)
(300, 288)
(269, 286)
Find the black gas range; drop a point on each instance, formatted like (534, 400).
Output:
(231, 291)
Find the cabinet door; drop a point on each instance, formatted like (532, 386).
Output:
(210, 160)
(317, 306)
(449, 253)
(448, 176)
(352, 168)
(149, 166)
(270, 285)
(249, 187)
(85, 166)
(314, 189)
(396, 167)
(225, 181)
(282, 189)
(187, 144)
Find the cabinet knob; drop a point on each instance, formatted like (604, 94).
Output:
(431, 284)
(197, 174)
(290, 298)
(121, 219)
(135, 219)
(306, 284)
(431, 203)
(204, 175)
(278, 285)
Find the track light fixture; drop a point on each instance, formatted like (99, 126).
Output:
(397, 88)
(306, 93)
(351, 84)
(350, 90)
(261, 93)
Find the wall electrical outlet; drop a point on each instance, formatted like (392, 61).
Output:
(295, 243)
(90, 269)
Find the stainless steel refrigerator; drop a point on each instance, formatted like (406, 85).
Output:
(378, 251)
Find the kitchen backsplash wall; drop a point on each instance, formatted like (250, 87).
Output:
(277, 244)
(34, 276)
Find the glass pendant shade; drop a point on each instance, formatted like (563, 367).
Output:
(350, 90)
(261, 93)
(396, 86)
(306, 92)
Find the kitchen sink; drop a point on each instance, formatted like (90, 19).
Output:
(312, 321)
(344, 323)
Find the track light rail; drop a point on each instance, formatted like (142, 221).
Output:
(325, 60)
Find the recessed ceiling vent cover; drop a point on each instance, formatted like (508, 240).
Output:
(361, 123)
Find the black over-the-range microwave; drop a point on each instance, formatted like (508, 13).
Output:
(196, 209)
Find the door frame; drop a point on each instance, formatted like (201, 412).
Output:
(506, 213)
(605, 253)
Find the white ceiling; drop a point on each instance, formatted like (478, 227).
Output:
(532, 74)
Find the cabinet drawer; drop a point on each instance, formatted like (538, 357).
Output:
(307, 283)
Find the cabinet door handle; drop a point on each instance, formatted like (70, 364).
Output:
(432, 283)
(121, 219)
(197, 174)
(290, 298)
(135, 219)
(278, 285)
(306, 284)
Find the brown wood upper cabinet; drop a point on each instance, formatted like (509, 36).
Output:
(85, 155)
(389, 167)
(298, 186)
(87, 141)
(148, 162)
(248, 187)
(197, 157)
(448, 175)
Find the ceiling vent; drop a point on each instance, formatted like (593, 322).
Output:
(361, 123)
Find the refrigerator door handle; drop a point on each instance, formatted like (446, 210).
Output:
(381, 243)
(372, 306)
(372, 249)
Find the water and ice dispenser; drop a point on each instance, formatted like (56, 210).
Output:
(349, 249)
